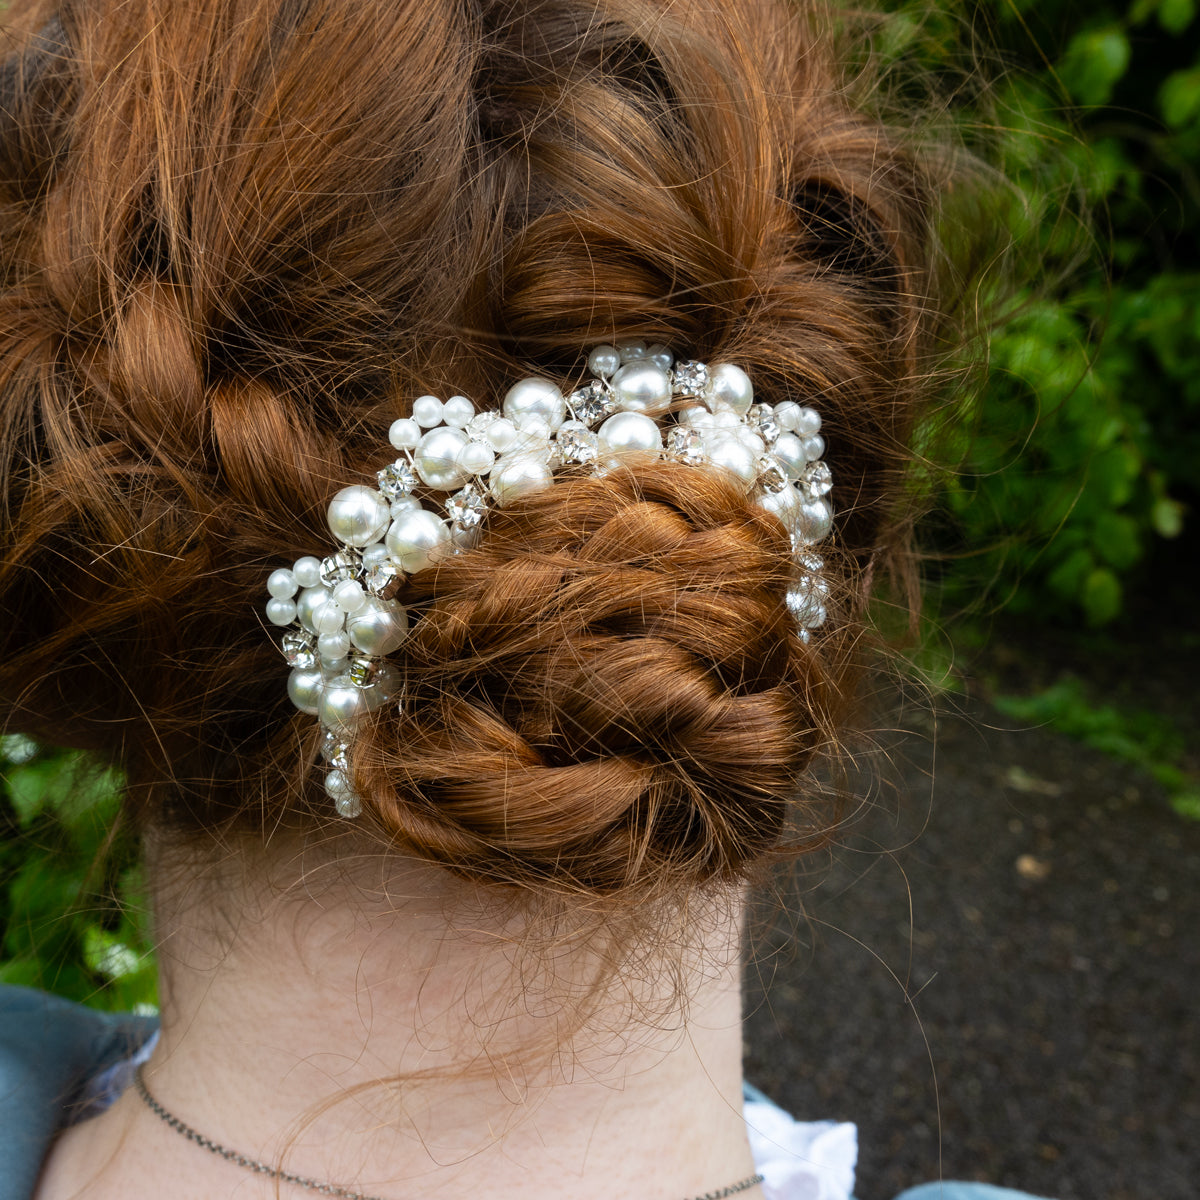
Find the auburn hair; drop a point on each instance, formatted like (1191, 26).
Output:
(238, 237)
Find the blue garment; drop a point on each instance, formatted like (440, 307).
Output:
(52, 1052)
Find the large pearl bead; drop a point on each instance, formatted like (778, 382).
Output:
(731, 385)
(538, 397)
(358, 515)
(305, 688)
(519, 475)
(735, 457)
(436, 458)
(379, 627)
(642, 386)
(629, 432)
(789, 449)
(418, 540)
(342, 705)
(309, 601)
(814, 521)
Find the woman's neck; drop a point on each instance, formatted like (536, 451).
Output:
(384, 1028)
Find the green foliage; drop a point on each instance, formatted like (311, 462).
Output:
(71, 919)
(1087, 432)
(1148, 740)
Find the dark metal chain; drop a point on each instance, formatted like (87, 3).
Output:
(314, 1185)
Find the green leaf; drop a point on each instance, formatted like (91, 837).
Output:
(1179, 98)
(1102, 596)
(1176, 15)
(1092, 64)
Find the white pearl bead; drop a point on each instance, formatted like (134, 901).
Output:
(338, 786)
(333, 647)
(660, 356)
(725, 418)
(808, 422)
(534, 425)
(457, 411)
(280, 611)
(304, 689)
(309, 601)
(402, 505)
(784, 504)
(349, 595)
(427, 411)
(376, 555)
(814, 521)
(379, 627)
(603, 361)
(328, 618)
(466, 539)
(814, 447)
(640, 386)
(404, 434)
(751, 440)
(342, 705)
(387, 683)
(476, 459)
(731, 385)
(787, 413)
(501, 435)
(418, 540)
(436, 458)
(307, 571)
(282, 584)
(729, 454)
(629, 432)
(631, 349)
(358, 515)
(698, 418)
(519, 475)
(331, 668)
(789, 449)
(538, 397)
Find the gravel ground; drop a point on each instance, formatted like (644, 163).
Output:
(998, 972)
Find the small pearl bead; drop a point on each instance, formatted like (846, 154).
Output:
(789, 449)
(328, 618)
(436, 458)
(476, 459)
(814, 447)
(349, 595)
(427, 411)
(535, 397)
(751, 440)
(814, 521)
(518, 476)
(404, 434)
(640, 386)
(379, 627)
(307, 571)
(730, 454)
(731, 385)
(418, 540)
(376, 555)
(358, 515)
(631, 349)
(627, 432)
(280, 611)
(660, 356)
(783, 504)
(402, 505)
(282, 584)
(333, 647)
(457, 411)
(342, 705)
(787, 414)
(808, 422)
(309, 601)
(501, 435)
(698, 418)
(603, 361)
(304, 689)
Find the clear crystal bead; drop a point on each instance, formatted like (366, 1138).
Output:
(334, 749)
(345, 564)
(817, 479)
(299, 650)
(361, 671)
(467, 508)
(761, 418)
(384, 580)
(578, 447)
(397, 479)
(806, 608)
(771, 475)
(810, 562)
(591, 403)
(690, 379)
(686, 444)
(479, 424)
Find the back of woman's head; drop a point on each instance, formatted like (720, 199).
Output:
(238, 237)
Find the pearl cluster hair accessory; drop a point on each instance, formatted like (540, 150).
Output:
(343, 609)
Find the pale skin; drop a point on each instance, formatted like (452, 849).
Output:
(282, 995)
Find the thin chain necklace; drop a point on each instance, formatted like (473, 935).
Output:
(315, 1185)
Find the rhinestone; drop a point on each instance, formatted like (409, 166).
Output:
(771, 475)
(332, 744)
(591, 403)
(361, 672)
(686, 444)
(384, 580)
(345, 564)
(817, 479)
(467, 508)
(397, 479)
(690, 379)
(762, 418)
(806, 608)
(578, 446)
(298, 651)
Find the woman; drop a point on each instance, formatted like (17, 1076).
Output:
(469, 922)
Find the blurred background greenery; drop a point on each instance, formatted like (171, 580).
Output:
(1076, 461)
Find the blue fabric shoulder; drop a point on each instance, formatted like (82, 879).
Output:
(49, 1048)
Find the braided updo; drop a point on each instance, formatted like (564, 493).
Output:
(237, 237)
